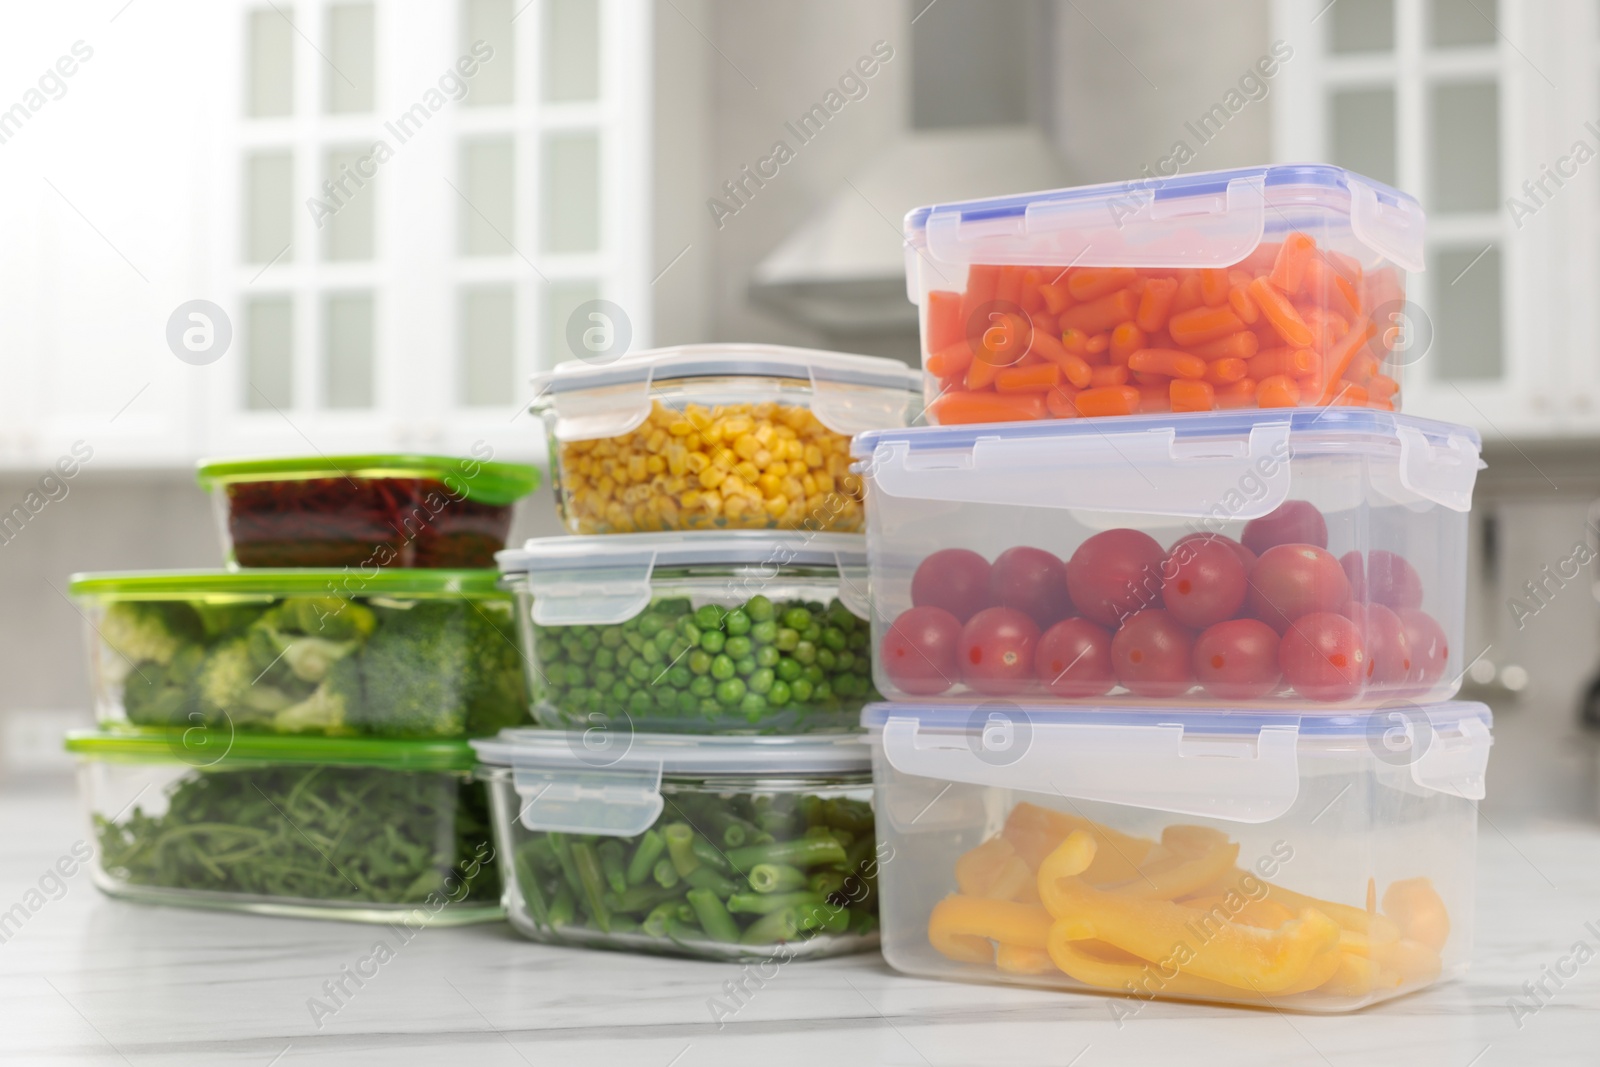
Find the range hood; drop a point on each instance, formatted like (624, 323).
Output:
(843, 270)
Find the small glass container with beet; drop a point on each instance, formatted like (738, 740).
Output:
(364, 511)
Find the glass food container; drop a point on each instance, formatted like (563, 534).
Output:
(722, 848)
(1280, 286)
(1247, 559)
(386, 653)
(364, 511)
(737, 631)
(362, 829)
(718, 436)
(1315, 863)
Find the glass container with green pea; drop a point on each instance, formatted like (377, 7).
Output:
(723, 848)
(714, 632)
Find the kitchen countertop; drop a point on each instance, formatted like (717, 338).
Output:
(90, 980)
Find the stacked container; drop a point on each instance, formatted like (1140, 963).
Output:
(289, 735)
(1169, 603)
(699, 656)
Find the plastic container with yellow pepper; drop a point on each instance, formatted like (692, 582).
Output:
(719, 436)
(1315, 862)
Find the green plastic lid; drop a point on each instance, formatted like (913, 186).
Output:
(401, 583)
(475, 479)
(213, 747)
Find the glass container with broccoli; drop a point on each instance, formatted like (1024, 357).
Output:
(724, 848)
(393, 653)
(350, 828)
(723, 632)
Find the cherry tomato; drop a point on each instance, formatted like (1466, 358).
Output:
(1203, 583)
(1430, 650)
(1384, 638)
(1152, 655)
(955, 579)
(919, 651)
(1294, 522)
(1247, 557)
(997, 651)
(1033, 581)
(1114, 574)
(1238, 659)
(1289, 581)
(1323, 658)
(1385, 578)
(1074, 659)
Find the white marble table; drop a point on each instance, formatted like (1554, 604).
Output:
(89, 980)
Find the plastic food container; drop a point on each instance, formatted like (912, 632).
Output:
(355, 828)
(390, 653)
(1262, 287)
(1249, 559)
(717, 847)
(716, 437)
(1316, 863)
(364, 511)
(737, 631)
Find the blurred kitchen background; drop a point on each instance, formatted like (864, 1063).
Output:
(156, 152)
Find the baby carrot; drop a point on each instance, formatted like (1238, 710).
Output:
(1289, 269)
(1243, 306)
(1008, 290)
(1098, 343)
(1362, 368)
(1239, 394)
(1191, 396)
(1338, 356)
(956, 408)
(1097, 316)
(1104, 377)
(1278, 311)
(1110, 400)
(1278, 391)
(952, 359)
(1075, 341)
(945, 327)
(1078, 373)
(1295, 362)
(1091, 283)
(982, 278)
(1040, 378)
(1202, 324)
(1167, 361)
(1214, 286)
(1350, 395)
(1382, 387)
(1055, 298)
(1261, 260)
(1156, 304)
(1044, 322)
(1188, 295)
(1347, 267)
(980, 374)
(1224, 371)
(1155, 398)
(1241, 345)
(1032, 299)
(1059, 402)
(1126, 339)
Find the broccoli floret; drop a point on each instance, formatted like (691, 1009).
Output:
(145, 631)
(414, 671)
(326, 709)
(226, 685)
(329, 617)
(161, 696)
(496, 694)
(219, 620)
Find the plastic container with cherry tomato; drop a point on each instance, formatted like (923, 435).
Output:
(1271, 287)
(1256, 558)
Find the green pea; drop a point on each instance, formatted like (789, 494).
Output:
(737, 623)
(710, 709)
(823, 691)
(709, 617)
(786, 640)
(625, 656)
(620, 692)
(603, 680)
(738, 647)
(767, 656)
(801, 690)
(834, 638)
(703, 686)
(650, 624)
(753, 705)
(579, 654)
(762, 681)
(689, 630)
(730, 692)
(722, 668)
(699, 661)
(845, 660)
(760, 609)
(678, 647)
(763, 633)
(859, 640)
(666, 699)
(611, 638)
(713, 641)
(635, 641)
(688, 702)
(805, 652)
(826, 659)
(797, 618)
(664, 639)
(845, 685)
(640, 703)
(778, 696)
(812, 633)
(604, 658)
(679, 676)
(745, 667)
(788, 669)
(576, 675)
(813, 674)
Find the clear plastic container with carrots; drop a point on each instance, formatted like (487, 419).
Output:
(1317, 863)
(1273, 287)
(1265, 559)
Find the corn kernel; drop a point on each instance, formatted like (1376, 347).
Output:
(747, 470)
(655, 464)
(712, 477)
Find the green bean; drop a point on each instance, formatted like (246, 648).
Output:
(766, 903)
(706, 878)
(528, 884)
(655, 924)
(593, 882)
(780, 925)
(610, 853)
(563, 852)
(713, 915)
(776, 878)
(709, 854)
(680, 846)
(825, 919)
(827, 881)
(645, 854)
(665, 874)
(641, 898)
(563, 908)
(798, 852)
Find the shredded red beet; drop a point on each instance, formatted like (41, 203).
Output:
(339, 522)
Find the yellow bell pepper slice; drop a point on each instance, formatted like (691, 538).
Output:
(994, 870)
(1035, 832)
(963, 928)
